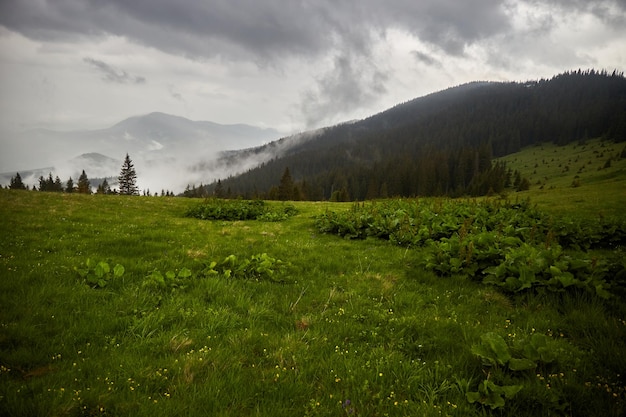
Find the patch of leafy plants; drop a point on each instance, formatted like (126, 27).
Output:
(259, 267)
(169, 280)
(512, 246)
(502, 362)
(99, 274)
(232, 210)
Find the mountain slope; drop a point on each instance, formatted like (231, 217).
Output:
(439, 143)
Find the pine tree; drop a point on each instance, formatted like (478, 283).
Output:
(106, 189)
(219, 190)
(285, 189)
(128, 178)
(16, 183)
(84, 186)
(69, 186)
(58, 185)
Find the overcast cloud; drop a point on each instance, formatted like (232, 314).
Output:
(290, 65)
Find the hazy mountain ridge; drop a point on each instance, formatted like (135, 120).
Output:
(397, 149)
(395, 146)
(166, 150)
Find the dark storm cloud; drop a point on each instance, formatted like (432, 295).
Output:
(264, 29)
(268, 32)
(270, 29)
(111, 74)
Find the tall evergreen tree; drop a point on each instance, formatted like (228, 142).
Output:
(219, 190)
(128, 178)
(69, 186)
(84, 186)
(46, 184)
(285, 189)
(42, 183)
(106, 188)
(16, 183)
(58, 185)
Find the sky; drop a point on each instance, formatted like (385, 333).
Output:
(291, 65)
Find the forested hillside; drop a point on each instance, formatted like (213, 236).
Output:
(443, 143)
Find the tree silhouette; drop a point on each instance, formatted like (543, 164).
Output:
(84, 186)
(16, 183)
(128, 178)
(285, 189)
(69, 186)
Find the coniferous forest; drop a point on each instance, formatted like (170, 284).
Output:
(443, 144)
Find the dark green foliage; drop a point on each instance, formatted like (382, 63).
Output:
(508, 364)
(128, 178)
(442, 144)
(286, 187)
(104, 187)
(58, 185)
(84, 187)
(16, 183)
(512, 246)
(191, 191)
(49, 184)
(69, 186)
(219, 209)
(585, 234)
(493, 395)
(168, 281)
(259, 267)
(100, 274)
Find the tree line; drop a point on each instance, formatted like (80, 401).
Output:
(444, 144)
(127, 181)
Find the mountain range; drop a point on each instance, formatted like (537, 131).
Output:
(439, 144)
(165, 149)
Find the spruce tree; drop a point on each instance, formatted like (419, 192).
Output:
(128, 178)
(16, 183)
(285, 188)
(106, 189)
(69, 186)
(219, 190)
(58, 185)
(84, 186)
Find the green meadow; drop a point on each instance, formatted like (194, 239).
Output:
(113, 305)
(587, 178)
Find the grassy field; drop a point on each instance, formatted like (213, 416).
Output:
(588, 178)
(341, 327)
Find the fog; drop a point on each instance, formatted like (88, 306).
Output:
(168, 152)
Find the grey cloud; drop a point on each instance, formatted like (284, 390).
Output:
(271, 29)
(175, 94)
(611, 12)
(264, 30)
(426, 59)
(351, 84)
(111, 74)
(268, 32)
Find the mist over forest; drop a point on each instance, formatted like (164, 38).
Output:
(439, 144)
